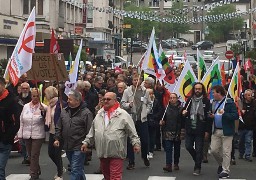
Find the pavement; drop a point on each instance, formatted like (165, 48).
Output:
(242, 171)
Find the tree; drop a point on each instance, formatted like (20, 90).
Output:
(83, 56)
(219, 31)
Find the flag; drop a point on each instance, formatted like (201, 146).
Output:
(235, 89)
(151, 63)
(169, 78)
(185, 83)
(212, 77)
(248, 66)
(71, 84)
(223, 75)
(21, 59)
(54, 46)
(201, 66)
(70, 60)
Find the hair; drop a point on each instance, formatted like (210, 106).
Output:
(122, 76)
(150, 80)
(111, 79)
(2, 81)
(219, 89)
(125, 86)
(76, 94)
(35, 90)
(98, 78)
(51, 92)
(87, 83)
(203, 89)
(135, 76)
(248, 90)
(80, 84)
(25, 84)
(102, 92)
(174, 94)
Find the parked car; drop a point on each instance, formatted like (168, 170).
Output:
(203, 45)
(137, 47)
(173, 42)
(120, 62)
(189, 43)
(170, 53)
(167, 45)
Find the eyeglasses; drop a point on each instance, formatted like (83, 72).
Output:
(107, 99)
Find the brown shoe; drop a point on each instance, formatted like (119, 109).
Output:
(176, 167)
(168, 168)
(130, 166)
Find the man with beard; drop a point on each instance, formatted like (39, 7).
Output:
(197, 124)
(24, 98)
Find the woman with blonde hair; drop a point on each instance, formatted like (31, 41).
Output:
(51, 118)
(32, 130)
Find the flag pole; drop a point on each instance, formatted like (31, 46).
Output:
(57, 79)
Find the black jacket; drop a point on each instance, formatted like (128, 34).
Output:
(9, 119)
(173, 119)
(155, 114)
(249, 117)
(72, 129)
(201, 126)
(92, 100)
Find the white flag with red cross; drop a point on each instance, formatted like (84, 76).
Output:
(21, 60)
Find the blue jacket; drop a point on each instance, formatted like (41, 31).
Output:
(228, 118)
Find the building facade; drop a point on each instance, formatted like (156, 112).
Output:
(64, 16)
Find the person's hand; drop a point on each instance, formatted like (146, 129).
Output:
(42, 108)
(161, 123)
(56, 143)
(243, 111)
(184, 112)
(211, 115)
(84, 148)
(136, 148)
(221, 111)
(206, 135)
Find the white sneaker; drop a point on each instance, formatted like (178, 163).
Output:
(59, 178)
(150, 155)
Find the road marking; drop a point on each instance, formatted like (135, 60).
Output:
(161, 178)
(27, 177)
(18, 176)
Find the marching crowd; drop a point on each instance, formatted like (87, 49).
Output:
(120, 113)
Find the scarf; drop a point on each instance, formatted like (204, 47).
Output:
(50, 109)
(197, 108)
(4, 94)
(112, 109)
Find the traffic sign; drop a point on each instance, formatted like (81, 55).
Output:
(229, 54)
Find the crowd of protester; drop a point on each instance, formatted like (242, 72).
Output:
(119, 113)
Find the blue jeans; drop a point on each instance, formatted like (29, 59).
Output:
(142, 130)
(5, 150)
(197, 152)
(76, 160)
(245, 142)
(169, 145)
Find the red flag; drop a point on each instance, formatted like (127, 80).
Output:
(248, 66)
(54, 46)
(223, 75)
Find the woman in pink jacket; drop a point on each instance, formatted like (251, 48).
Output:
(32, 131)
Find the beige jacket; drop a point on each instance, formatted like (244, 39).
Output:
(111, 141)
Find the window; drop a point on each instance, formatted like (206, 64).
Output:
(29, 4)
(90, 15)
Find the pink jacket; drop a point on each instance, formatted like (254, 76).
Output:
(31, 122)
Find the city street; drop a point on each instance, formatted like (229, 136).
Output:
(219, 49)
(242, 171)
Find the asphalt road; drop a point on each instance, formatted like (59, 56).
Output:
(243, 170)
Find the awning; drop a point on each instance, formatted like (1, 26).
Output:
(8, 41)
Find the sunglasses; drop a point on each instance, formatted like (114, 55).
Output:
(107, 99)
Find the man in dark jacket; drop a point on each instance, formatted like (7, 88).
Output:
(10, 124)
(72, 128)
(224, 114)
(196, 124)
(245, 129)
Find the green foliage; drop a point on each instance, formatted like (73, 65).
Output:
(219, 31)
(251, 54)
(237, 49)
(144, 28)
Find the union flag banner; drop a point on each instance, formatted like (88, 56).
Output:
(235, 87)
(212, 77)
(54, 46)
(201, 66)
(21, 59)
(185, 82)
